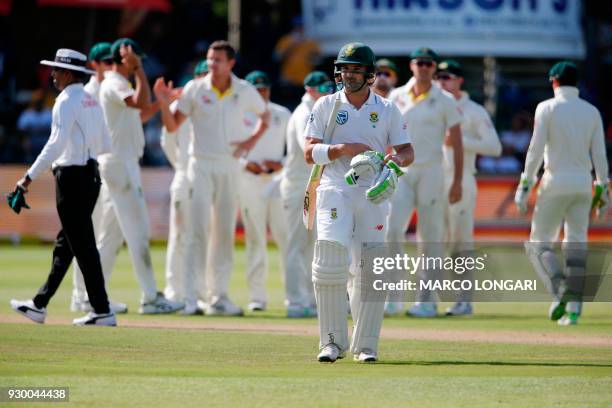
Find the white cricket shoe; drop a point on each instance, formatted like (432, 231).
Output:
(366, 356)
(256, 306)
(191, 309)
(222, 306)
(298, 311)
(423, 309)
(77, 305)
(460, 309)
(160, 305)
(330, 353)
(568, 319)
(556, 310)
(393, 308)
(96, 319)
(29, 310)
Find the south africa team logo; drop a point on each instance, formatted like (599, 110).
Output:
(342, 117)
(334, 213)
(373, 117)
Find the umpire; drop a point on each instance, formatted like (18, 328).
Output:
(78, 135)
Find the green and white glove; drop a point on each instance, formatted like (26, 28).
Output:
(601, 200)
(367, 163)
(522, 194)
(384, 185)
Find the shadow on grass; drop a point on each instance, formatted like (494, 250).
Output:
(493, 363)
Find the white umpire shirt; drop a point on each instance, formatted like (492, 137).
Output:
(297, 170)
(567, 135)
(217, 118)
(428, 116)
(271, 146)
(78, 132)
(124, 123)
(478, 135)
(378, 124)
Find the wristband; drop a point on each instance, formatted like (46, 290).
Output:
(320, 153)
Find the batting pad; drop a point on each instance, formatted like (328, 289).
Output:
(329, 276)
(547, 266)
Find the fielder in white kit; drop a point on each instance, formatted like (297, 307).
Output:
(176, 147)
(125, 216)
(345, 217)
(568, 137)
(299, 291)
(429, 112)
(478, 137)
(216, 106)
(260, 201)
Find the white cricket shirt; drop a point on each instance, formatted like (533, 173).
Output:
(271, 145)
(567, 135)
(92, 87)
(78, 132)
(297, 170)
(218, 119)
(176, 144)
(478, 135)
(123, 122)
(378, 124)
(428, 118)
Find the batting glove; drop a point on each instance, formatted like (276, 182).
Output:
(522, 194)
(384, 186)
(601, 200)
(364, 164)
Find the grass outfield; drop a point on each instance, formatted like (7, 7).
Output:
(512, 356)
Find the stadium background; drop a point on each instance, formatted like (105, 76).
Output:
(175, 35)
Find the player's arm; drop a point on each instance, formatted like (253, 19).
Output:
(598, 153)
(315, 151)
(486, 141)
(456, 142)
(535, 153)
(403, 156)
(165, 94)
(262, 125)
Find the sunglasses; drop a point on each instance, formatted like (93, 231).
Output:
(383, 74)
(445, 77)
(424, 63)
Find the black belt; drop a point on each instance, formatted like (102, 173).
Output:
(91, 164)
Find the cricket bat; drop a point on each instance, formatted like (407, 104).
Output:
(310, 196)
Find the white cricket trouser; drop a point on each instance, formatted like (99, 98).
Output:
(421, 187)
(261, 206)
(459, 216)
(344, 216)
(126, 209)
(553, 210)
(213, 206)
(176, 281)
(300, 248)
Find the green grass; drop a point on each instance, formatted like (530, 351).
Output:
(127, 366)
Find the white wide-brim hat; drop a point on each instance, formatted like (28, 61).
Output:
(69, 59)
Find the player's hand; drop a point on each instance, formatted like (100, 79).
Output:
(244, 147)
(454, 194)
(129, 57)
(23, 184)
(522, 194)
(254, 168)
(165, 93)
(272, 166)
(392, 157)
(353, 149)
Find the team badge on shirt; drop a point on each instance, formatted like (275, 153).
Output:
(342, 117)
(334, 213)
(373, 117)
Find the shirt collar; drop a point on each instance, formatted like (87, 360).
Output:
(114, 74)
(373, 99)
(73, 88)
(566, 91)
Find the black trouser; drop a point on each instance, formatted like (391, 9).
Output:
(77, 189)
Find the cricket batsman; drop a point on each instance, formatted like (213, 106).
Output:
(568, 137)
(349, 215)
(478, 137)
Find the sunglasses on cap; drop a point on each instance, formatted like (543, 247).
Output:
(424, 63)
(445, 77)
